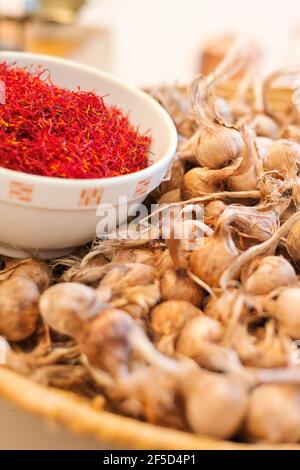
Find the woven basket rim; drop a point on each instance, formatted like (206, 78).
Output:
(79, 417)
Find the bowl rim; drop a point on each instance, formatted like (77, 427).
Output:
(92, 182)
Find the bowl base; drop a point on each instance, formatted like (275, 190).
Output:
(14, 252)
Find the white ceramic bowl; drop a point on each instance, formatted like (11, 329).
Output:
(49, 217)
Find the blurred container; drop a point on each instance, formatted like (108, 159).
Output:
(51, 27)
(58, 11)
(217, 48)
(14, 15)
(91, 46)
(214, 52)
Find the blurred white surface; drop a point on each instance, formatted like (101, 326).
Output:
(13, 8)
(159, 40)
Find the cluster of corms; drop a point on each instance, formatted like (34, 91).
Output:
(214, 328)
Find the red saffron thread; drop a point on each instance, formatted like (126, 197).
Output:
(50, 131)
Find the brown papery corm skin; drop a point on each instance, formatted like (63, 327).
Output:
(283, 157)
(20, 290)
(213, 145)
(215, 255)
(264, 275)
(293, 242)
(175, 284)
(65, 307)
(273, 414)
(227, 398)
(291, 132)
(265, 126)
(284, 307)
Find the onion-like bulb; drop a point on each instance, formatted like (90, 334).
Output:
(209, 397)
(175, 283)
(215, 255)
(246, 182)
(273, 414)
(213, 145)
(266, 248)
(109, 341)
(284, 307)
(220, 308)
(197, 329)
(283, 157)
(104, 341)
(265, 126)
(35, 270)
(170, 197)
(213, 212)
(293, 242)
(199, 181)
(264, 275)
(170, 317)
(20, 290)
(246, 179)
(263, 145)
(167, 321)
(252, 223)
(291, 132)
(135, 396)
(66, 306)
(199, 340)
(19, 309)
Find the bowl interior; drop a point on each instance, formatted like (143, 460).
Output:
(143, 111)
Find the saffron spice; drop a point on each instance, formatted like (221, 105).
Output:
(50, 131)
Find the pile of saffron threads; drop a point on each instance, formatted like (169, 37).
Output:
(50, 131)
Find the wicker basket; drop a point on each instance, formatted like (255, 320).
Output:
(281, 99)
(79, 416)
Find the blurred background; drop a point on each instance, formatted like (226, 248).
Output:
(147, 42)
